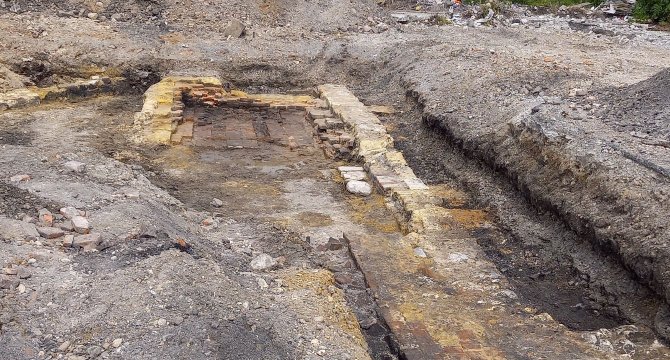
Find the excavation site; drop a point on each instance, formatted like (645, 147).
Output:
(364, 179)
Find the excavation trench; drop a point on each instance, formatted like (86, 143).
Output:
(412, 271)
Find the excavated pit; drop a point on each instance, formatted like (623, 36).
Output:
(259, 172)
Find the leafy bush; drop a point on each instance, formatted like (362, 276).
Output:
(654, 10)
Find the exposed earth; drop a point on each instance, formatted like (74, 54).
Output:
(517, 212)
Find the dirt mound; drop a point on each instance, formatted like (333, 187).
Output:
(642, 107)
(10, 80)
(199, 17)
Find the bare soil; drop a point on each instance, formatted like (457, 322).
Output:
(576, 185)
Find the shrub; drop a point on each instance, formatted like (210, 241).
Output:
(654, 10)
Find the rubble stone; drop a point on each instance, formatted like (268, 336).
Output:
(359, 188)
(263, 262)
(80, 224)
(88, 242)
(50, 232)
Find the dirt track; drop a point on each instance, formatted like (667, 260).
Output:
(576, 185)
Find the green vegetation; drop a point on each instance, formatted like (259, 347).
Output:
(544, 3)
(654, 10)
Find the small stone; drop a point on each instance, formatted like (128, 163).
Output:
(217, 203)
(10, 271)
(235, 29)
(9, 283)
(359, 188)
(23, 273)
(419, 252)
(321, 352)
(19, 178)
(69, 212)
(263, 262)
(334, 244)
(64, 346)
(87, 242)
(94, 351)
(66, 226)
(21, 288)
(315, 342)
(80, 224)
(68, 240)
(75, 166)
(161, 322)
(92, 15)
(50, 232)
(32, 261)
(580, 92)
(354, 175)
(262, 283)
(45, 217)
(117, 342)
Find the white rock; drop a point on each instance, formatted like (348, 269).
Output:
(217, 203)
(117, 342)
(69, 212)
(64, 346)
(21, 288)
(354, 175)
(350, 168)
(419, 252)
(457, 257)
(80, 224)
(263, 262)
(19, 178)
(75, 166)
(359, 188)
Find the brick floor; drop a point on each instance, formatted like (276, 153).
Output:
(227, 127)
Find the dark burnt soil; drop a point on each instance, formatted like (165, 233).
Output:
(642, 108)
(15, 201)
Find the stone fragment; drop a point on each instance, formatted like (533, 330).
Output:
(235, 29)
(68, 240)
(419, 252)
(94, 351)
(92, 15)
(8, 282)
(315, 113)
(50, 232)
(69, 212)
(75, 166)
(64, 346)
(217, 203)
(45, 217)
(334, 244)
(81, 225)
(66, 226)
(88, 242)
(23, 273)
(21, 288)
(15, 230)
(350, 168)
(263, 262)
(19, 178)
(354, 175)
(359, 188)
(10, 271)
(117, 342)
